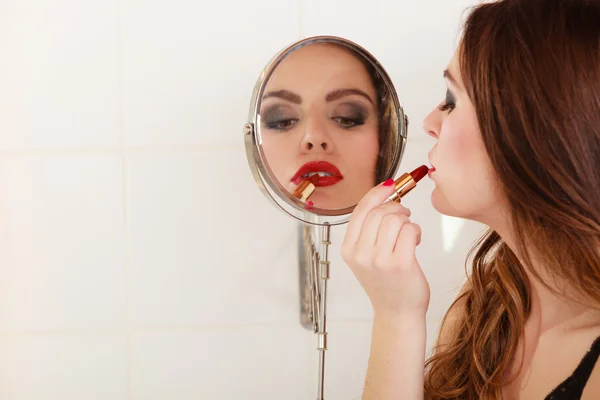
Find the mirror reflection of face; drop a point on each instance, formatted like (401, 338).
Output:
(319, 121)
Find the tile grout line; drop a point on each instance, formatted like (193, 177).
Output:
(127, 273)
(300, 19)
(151, 149)
(177, 329)
(125, 198)
(120, 149)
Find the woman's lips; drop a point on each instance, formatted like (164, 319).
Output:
(318, 169)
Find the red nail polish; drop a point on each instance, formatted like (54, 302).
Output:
(389, 182)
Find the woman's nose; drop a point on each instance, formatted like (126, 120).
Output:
(432, 123)
(316, 139)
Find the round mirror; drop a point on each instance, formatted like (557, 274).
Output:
(325, 126)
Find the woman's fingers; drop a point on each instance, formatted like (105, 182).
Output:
(406, 244)
(375, 197)
(389, 230)
(373, 220)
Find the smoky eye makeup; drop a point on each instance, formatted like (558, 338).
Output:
(279, 117)
(450, 97)
(449, 102)
(349, 115)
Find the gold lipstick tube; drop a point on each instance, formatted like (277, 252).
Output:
(402, 186)
(304, 190)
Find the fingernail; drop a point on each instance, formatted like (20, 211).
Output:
(389, 182)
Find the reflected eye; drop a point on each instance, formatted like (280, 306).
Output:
(280, 117)
(281, 125)
(449, 103)
(347, 123)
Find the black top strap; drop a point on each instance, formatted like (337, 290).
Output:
(572, 387)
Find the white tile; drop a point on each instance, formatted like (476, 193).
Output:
(58, 74)
(190, 66)
(63, 368)
(207, 246)
(61, 243)
(269, 362)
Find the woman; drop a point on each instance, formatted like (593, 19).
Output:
(325, 115)
(518, 149)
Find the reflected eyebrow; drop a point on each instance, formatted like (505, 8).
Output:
(285, 95)
(337, 94)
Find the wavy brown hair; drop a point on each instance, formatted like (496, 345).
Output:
(387, 118)
(532, 71)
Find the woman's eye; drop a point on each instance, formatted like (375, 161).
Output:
(348, 122)
(449, 103)
(281, 125)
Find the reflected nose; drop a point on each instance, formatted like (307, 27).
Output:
(316, 145)
(316, 139)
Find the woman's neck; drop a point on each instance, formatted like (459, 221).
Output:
(556, 305)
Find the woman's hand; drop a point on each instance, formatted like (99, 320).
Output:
(379, 247)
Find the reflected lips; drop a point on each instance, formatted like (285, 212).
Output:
(320, 173)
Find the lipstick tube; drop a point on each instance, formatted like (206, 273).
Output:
(304, 190)
(407, 182)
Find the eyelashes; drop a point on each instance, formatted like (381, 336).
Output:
(285, 124)
(281, 125)
(349, 122)
(449, 103)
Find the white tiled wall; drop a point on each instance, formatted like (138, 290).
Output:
(129, 267)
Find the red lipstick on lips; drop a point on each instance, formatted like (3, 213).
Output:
(319, 173)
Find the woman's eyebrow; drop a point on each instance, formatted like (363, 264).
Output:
(285, 95)
(449, 76)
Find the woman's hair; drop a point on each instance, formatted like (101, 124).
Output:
(387, 116)
(532, 71)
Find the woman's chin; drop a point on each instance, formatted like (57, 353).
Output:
(441, 205)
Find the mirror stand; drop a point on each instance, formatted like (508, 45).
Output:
(314, 274)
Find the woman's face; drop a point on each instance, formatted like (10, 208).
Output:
(464, 178)
(319, 122)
